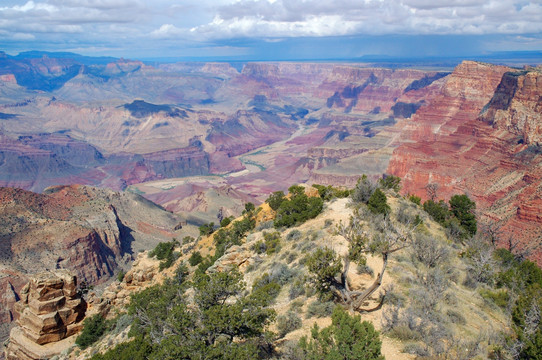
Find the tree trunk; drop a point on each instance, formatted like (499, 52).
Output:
(361, 297)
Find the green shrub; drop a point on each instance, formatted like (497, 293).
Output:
(415, 199)
(320, 309)
(267, 287)
(298, 209)
(275, 200)
(287, 323)
(346, 338)
(166, 263)
(390, 182)
(463, 209)
(218, 320)
(195, 258)
(164, 252)
(378, 203)
(226, 221)
(207, 229)
(438, 211)
(272, 242)
(93, 328)
(225, 238)
(329, 192)
(249, 207)
(498, 297)
(258, 247)
(324, 265)
(120, 275)
(137, 349)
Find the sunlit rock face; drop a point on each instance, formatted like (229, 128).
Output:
(479, 136)
(50, 310)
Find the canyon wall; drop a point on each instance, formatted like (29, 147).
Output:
(89, 231)
(478, 136)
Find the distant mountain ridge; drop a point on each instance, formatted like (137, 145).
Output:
(169, 129)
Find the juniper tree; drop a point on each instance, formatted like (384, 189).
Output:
(330, 270)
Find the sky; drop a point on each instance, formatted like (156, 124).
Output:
(271, 29)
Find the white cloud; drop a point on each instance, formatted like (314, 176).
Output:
(105, 23)
(291, 18)
(167, 31)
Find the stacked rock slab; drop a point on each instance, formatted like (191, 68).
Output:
(50, 311)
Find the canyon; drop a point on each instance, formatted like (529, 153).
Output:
(91, 232)
(172, 131)
(83, 147)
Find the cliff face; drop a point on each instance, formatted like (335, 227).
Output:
(517, 105)
(247, 130)
(484, 155)
(426, 138)
(89, 231)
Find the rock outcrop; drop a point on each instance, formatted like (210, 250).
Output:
(89, 231)
(50, 310)
(479, 136)
(516, 105)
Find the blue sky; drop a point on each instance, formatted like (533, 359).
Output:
(271, 29)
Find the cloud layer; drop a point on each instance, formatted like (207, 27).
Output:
(193, 24)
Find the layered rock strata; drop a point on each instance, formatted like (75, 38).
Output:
(479, 136)
(50, 310)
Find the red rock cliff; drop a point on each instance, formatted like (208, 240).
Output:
(488, 160)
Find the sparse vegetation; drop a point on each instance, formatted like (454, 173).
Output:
(195, 258)
(93, 328)
(207, 229)
(330, 272)
(164, 251)
(287, 323)
(320, 309)
(425, 309)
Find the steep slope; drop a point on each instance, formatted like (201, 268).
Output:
(460, 323)
(89, 231)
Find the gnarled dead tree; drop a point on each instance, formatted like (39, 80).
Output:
(331, 270)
